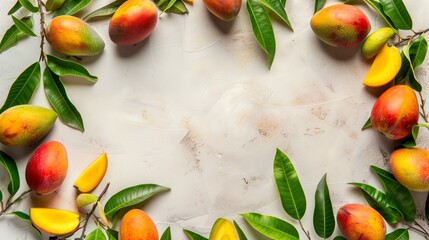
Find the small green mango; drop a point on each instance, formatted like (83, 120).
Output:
(223, 229)
(84, 199)
(375, 41)
(24, 125)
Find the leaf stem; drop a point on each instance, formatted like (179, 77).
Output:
(42, 30)
(307, 233)
(421, 227)
(12, 201)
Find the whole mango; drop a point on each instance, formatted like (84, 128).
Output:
(23, 125)
(73, 36)
(133, 22)
(137, 225)
(225, 10)
(223, 229)
(375, 41)
(410, 166)
(360, 222)
(395, 112)
(340, 25)
(47, 167)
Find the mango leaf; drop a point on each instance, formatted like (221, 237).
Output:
(112, 234)
(398, 234)
(96, 234)
(131, 196)
(104, 11)
(262, 29)
(193, 235)
(10, 166)
(62, 67)
(278, 8)
(15, 8)
(411, 74)
(289, 187)
(26, 218)
(323, 217)
(13, 34)
(23, 27)
(379, 8)
(403, 71)
(29, 6)
(166, 235)
(339, 238)
(398, 13)
(169, 5)
(319, 4)
(378, 201)
(178, 7)
(1, 197)
(399, 195)
(241, 235)
(367, 124)
(24, 87)
(71, 7)
(418, 50)
(57, 97)
(272, 227)
(52, 5)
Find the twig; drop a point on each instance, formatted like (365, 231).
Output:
(42, 30)
(422, 107)
(411, 37)
(10, 202)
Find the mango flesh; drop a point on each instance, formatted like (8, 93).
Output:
(395, 112)
(137, 225)
(54, 221)
(340, 25)
(92, 175)
(133, 22)
(47, 168)
(24, 125)
(411, 168)
(375, 41)
(385, 67)
(360, 222)
(225, 10)
(73, 36)
(223, 230)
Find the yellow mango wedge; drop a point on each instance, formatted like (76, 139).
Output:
(54, 221)
(386, 65)
(223, 230)
(92, 175)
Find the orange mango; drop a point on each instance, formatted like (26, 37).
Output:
(137, 225)
(225, 10)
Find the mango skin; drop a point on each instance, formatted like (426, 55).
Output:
(137, 225)
(23, 125)
(133, 22)
(410, 166)
(340, 25)
(360, 222)
(395, 112)
(47, 168)
(223, 229)
(73, 36)
(225, 10)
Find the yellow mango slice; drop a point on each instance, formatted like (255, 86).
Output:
(223, 230)
(386, 65)
(54, 221)
(92, 175)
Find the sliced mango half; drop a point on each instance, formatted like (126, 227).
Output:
(223, 230)
(386, 65)
(92, 175)
(54, 221)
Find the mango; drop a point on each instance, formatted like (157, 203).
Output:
(92, 175)
(85, 199)
(340, 25)
(395, 112)
(223, 230)
(24, 125)
(375, 41)
(360, 222)
(225, 10)
(137, 225)
(410, 166)
(54, 221)
(47, 167)
(73, 36)
(133, 22)
(385, 67)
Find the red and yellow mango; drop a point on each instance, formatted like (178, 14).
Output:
(225, 10)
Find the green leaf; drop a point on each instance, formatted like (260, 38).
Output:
(396, 193)
(62, 67)
(131, 196)
(112, 234)
(15, 8)
(29, 6)
(278, 8)
(23, 88)
(262, 29)
(411, 74)
(323, 217)
(96, 234)
(403, 71)
(104, 11)
(398, 13)
(166, 235)
(240, 232)
(52, 5)
(367, 124)
(319, 4)
(398, 234)
(379, 8)
(272, 227)
(418, 50)
(57, 97)
(13, 35)
(289, 187)
(23, 27)
(10, 166)
(178, 7)
(378, 201)
(169, 5)
(193, 235)
(339, 238)
(1, 196)
(26, 218)
(71, 7)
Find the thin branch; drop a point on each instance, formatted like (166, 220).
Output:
(422, 107)
(307, 233)
(411, 37)
(42, 30)
(10, 202)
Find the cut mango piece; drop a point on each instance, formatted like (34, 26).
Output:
(386, 65)
(54, 221)
(223, 230)
(92, 175)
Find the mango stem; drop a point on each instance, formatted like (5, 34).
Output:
(307, 233)
(40, 5)
(12, 201)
